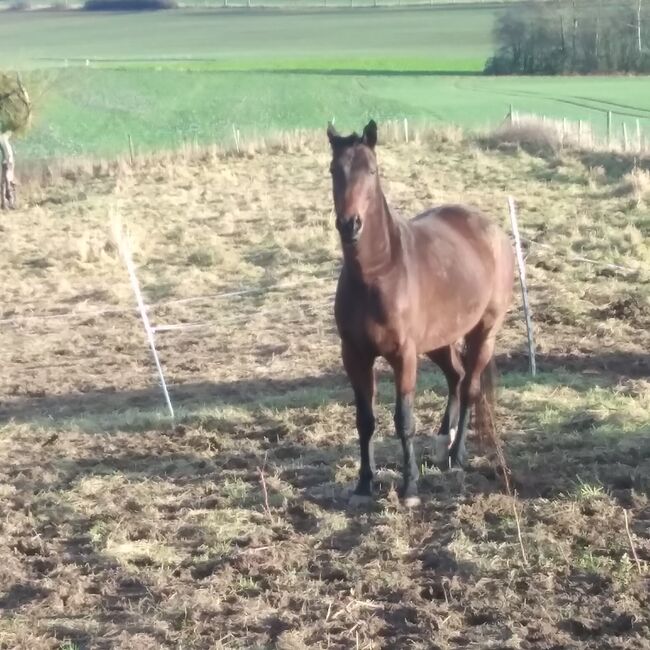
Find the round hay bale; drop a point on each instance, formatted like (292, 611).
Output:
(15, 106)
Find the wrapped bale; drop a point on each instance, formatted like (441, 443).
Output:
(15, 114)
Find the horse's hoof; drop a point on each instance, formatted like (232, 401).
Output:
(441, 451)
(360, 500)
(459, 459)
(412, 502)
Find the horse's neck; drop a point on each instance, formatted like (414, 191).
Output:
(379, 242)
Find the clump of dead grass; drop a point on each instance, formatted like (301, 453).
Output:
(530, 134)
(635, 184)
(443, 134)
(596, 176)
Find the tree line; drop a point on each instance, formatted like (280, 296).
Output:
(560, 37)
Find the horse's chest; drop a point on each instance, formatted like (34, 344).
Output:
(387, 338)
(369, 320)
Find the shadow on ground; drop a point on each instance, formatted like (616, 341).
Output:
(604, 369)
(303, 560)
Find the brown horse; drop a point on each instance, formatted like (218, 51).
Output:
(439, 284)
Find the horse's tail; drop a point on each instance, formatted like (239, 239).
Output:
(484, 407)
(485, 422)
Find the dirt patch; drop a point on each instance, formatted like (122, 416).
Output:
(631, 309)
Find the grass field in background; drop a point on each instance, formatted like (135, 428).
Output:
(92, 111)
(282, 4)
(169, 78)
(50, 37)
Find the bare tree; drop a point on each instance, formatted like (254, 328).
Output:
(570, 36)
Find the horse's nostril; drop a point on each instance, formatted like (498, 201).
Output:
(346, 223)
(349, 227)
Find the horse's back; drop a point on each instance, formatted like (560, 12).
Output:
(463, 248)
(451, 234)
(468, 222)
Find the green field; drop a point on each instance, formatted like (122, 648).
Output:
(37, 38)
(173, 77)
(284, 4)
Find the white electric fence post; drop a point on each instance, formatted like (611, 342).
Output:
(524, 289)
(125, 251)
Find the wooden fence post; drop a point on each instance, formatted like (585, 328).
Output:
(580, 133)
(609, 128)
(235, 135)
(524, 290)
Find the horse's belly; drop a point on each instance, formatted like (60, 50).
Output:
(447, 327)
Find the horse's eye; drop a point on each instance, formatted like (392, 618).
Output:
(373, 170)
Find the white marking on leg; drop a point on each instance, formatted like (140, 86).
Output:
(411, 502)
(452, 438)
(460, 457)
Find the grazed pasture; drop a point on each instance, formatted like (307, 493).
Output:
(121, 530)
(203, 72)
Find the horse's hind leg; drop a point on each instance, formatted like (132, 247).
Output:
(450, 362)
(359, 367)
(480, 344)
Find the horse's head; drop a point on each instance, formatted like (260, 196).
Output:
(354, 179)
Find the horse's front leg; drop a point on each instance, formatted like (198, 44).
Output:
(360, 369)
(405, 367)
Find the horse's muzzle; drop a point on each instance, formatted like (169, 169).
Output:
(349, 228)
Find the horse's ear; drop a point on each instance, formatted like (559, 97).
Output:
(370, 134)
(332, 133)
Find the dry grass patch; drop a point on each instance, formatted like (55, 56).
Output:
(635, 184)
(123, 529)
(530, 134)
